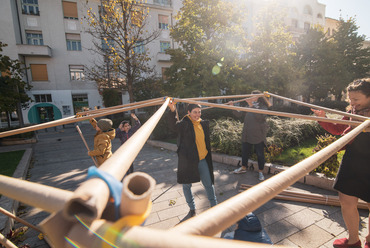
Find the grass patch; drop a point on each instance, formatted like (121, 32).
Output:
(10, 161)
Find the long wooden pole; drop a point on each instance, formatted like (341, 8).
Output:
(358, 117)
(87, 147)
(41, 196)
(269, 112)
(235, 208)
(3, 211)
(73, 119)
(5, 242)
(90, 199)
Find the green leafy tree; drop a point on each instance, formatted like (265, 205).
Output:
(269, 62)
(315, 56)
(12, 87)
(353, 60)
(121, 33)
(210, 38)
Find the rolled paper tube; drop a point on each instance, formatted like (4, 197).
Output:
(91, 198)
(137, 236)
(37, 195)
(72, 119)
(220, 97)
(136, 193)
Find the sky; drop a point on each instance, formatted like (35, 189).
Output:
(350, 8)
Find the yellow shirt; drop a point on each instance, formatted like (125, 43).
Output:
(199, 139)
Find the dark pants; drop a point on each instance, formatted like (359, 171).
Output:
(247, 149)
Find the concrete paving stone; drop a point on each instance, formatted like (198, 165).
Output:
(333, 223)
(153, 218)
(280, 230)
(324, 210)
(166, 224)
(273, 215)
(329, 243)
(303, 218)
(311, 237)
(172, 212)
(167, 196)
(294, 206)
(286, 243)
(157, 206)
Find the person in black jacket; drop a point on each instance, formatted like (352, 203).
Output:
(194, 155)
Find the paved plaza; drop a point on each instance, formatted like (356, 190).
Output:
(60, 160)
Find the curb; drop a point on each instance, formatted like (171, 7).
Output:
(313, 179)
(7, 223)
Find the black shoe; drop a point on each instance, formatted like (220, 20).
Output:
(191, 213)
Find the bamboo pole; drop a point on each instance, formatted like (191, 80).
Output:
(73, 119)
(87, 147)
(269, 112)
(358, 117)
(235, 208)
(90, 199)
(95, 111)
(5, 242)
(3, 211)
(41, 196)
(309, 197)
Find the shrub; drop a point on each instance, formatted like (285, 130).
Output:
(330, 167)
(226, 136)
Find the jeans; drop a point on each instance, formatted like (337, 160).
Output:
(259, 149)
(205, 178)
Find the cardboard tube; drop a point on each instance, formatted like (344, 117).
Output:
(269, 112)
(41, 196)
(137, 236)
(95, 111)
(358, 117)
(90, 199)
(219, 97)
(73, 119)
(136, 193)
(5, 242)
(235, 208)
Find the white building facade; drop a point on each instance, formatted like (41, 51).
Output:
(48, 37)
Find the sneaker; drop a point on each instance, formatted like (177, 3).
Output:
(343, 243)
(192, 213)
(367, 244)
(240, 170)
(260, 176)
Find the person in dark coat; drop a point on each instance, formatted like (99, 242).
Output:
(194, 155)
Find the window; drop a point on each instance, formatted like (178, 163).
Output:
(294, 23)
(139, 47)
(307, 26)
(76, 72)
(30, 7)
(70, 10)
(163, 22)
(107, 44)
(163, 2)
(319, 16)
(39, 72)
(307, 10)
(164, 46)
(34, 38)
(73, 42)
(43, 98)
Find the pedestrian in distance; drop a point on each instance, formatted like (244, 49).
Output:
(102, 140)
(353, 177)
(125, 131)
(253, 134)
(194, 154)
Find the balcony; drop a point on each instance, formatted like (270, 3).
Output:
(34, 51)
(162, 57)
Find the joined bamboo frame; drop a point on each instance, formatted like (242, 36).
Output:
(90, 199)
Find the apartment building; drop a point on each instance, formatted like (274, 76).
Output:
(48, 37)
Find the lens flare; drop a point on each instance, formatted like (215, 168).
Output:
(216, 70)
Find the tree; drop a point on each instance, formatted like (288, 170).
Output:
(353, 60)
(210, 36)
(315, 57)
(269, 63)
(12, 87)
(121, 33)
